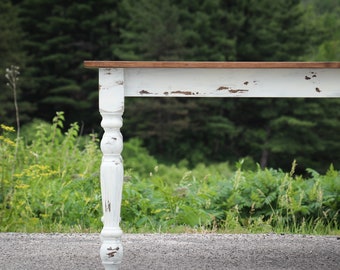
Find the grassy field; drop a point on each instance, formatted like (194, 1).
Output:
(49, 181)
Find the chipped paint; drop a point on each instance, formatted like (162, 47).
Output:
(246, 83)
(222, 88)
(112, 252)
(142, 92)
(317, 89)
(120, 82)
(234, 91)
(311, 76)
(107, 206)
(187, 93)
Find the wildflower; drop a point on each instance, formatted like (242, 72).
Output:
(37, 171)
(22, 186)
(7, 141)
(7, 128)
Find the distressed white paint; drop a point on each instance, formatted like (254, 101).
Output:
(111, 107)
(254, 82)
(116, 83)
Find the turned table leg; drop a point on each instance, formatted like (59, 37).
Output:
(111, 107)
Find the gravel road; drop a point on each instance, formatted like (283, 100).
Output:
(172, 251)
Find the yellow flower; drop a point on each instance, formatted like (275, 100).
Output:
(7, 128)
(37, 171)
(7, 141)
(22, 186)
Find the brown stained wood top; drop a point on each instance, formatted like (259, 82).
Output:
(166, 64)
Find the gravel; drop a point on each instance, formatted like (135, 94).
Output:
(172, 251)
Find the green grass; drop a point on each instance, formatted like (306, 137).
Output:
(49, 182)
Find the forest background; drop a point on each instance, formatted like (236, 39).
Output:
(216, 164)
(49, 40)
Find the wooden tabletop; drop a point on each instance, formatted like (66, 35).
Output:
(173, 64)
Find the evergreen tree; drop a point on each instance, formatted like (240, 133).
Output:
(210, 29)
(151, 32)
(11, 53)
(328, 19)
(272, 31)
(59, 36)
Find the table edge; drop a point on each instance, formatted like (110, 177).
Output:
(192, 64)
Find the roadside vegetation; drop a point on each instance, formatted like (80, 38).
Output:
(49, 181)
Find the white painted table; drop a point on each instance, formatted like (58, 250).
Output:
(118, 80)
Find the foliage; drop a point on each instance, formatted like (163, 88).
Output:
(53, 185)
(324, 18)
(214, 198)
(160, 35)
(272, 131)
(55, 182)
(60, 35)
(11, 54)
(50, 39)
(272, 31)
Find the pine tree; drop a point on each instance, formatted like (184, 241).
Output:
(11, 53)
(326, 20)
(272, 31)
(60, 35)
(210, 29)
(151, 31)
